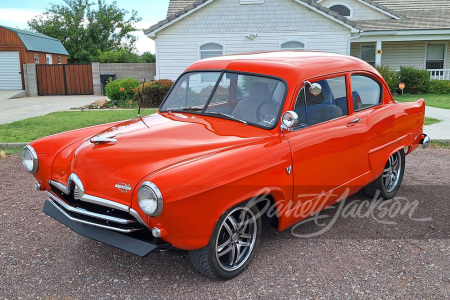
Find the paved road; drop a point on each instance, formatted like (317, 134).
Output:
(23, 108)
(441, 130)
(357, 258)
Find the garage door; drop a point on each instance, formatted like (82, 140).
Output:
(10, 78)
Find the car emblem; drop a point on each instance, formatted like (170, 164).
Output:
(123, 187)
(288, 170)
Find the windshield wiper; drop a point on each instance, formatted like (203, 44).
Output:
(226, 116)
(183, 109)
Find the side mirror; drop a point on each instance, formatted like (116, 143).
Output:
(315, 89)
(289, 120)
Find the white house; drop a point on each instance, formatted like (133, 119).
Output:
(382, 32)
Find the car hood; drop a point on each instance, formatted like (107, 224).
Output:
(112, 169)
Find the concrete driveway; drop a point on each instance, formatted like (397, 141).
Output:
(439, 131)
(23, 108)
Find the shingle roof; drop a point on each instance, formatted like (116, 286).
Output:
(412, 14)
(175, 12)
(416, 20)
(38, 42)
(418, 15)
(177, 5)
(413, 5)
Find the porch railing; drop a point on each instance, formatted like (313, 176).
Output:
(440, 74)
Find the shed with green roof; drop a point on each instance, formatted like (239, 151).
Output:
(19, 47)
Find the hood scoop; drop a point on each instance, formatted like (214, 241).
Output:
(106, 138)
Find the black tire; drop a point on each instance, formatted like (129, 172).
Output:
(232, 245)
(387, 184)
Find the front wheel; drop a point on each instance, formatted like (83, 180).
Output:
(232, 245)
(388, 183)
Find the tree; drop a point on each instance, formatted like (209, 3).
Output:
(124, 56)
(148, 57)
(84, 28)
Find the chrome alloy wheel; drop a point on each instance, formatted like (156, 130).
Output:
(392, 172)
(236, 238)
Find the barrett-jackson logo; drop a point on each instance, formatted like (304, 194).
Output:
(123, 187)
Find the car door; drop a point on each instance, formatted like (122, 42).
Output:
(328, 147)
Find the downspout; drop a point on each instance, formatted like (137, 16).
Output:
(353, 37)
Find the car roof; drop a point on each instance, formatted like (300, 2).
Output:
(298, 64)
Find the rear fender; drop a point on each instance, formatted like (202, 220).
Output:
(401, 129)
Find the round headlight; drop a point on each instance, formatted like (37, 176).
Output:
(30, 159)
(150, 199)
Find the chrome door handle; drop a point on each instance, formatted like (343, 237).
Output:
(354, 121)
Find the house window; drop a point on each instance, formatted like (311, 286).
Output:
(292, 45)
(48, 59)
(342, 9)
(59, 60)
(368, 54)
(210, 50)
(206, 51)
(36, 58)
(435, 56)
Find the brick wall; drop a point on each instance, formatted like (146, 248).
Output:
(136, 71)
(30, 79)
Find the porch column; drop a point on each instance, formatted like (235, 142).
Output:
(378, 52)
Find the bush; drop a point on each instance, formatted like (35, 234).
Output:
(440, 87)
(416, 81)
(121, 89)
(153, 93)
(392, 77)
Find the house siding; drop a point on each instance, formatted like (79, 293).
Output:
(178, 45)
(399, 54)
(360, 10)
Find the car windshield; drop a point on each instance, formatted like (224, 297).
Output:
(250, 99)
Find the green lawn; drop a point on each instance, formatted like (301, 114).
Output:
(429, 121)
(30, 129)
(439, 101)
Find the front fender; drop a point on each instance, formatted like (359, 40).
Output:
(47, 148)
(198, 192)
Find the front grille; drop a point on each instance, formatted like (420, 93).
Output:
(95, 214)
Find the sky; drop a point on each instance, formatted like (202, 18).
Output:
(16, 13)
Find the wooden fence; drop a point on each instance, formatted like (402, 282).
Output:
(64, 80)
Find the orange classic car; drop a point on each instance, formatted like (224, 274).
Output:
(287, 127)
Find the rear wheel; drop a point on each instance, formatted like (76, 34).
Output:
(388, 183)
(232, 245)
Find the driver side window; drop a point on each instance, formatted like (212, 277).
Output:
(260, 99)
(330, 104)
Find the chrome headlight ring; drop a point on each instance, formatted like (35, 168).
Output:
(150, 199)
(30, 159)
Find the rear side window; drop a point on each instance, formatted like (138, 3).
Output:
(366, 92)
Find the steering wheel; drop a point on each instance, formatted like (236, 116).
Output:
(272, 106)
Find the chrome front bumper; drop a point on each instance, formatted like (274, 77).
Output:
(135, 243)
